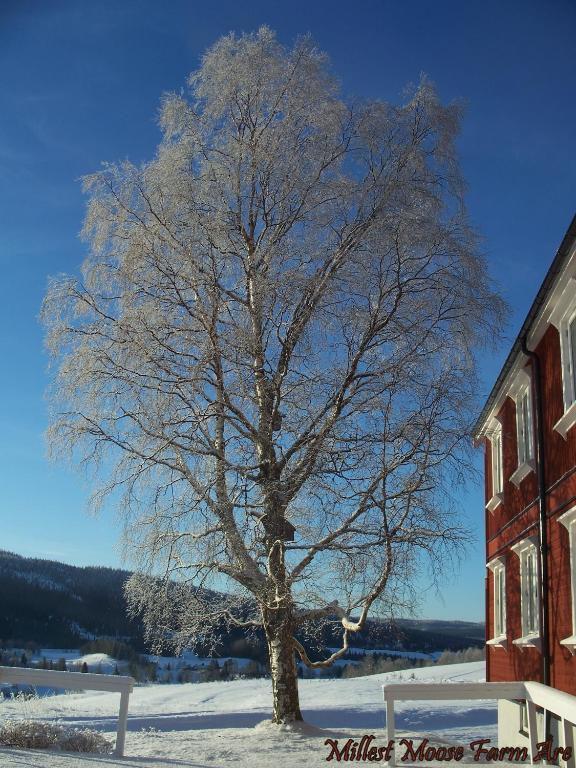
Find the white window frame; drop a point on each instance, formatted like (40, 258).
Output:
(498, 568)
(568, 361)
(530, 593)
(568, 520)
(522, 395)
(562, 316)
(496, 458)
(524, 427)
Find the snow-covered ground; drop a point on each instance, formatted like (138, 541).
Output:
(223, 723)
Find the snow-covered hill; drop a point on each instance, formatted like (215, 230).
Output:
(224, 723)
(53, 603)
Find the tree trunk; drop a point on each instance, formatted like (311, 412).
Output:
(279, 629)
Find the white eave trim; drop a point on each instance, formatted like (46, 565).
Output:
(498, 642)
(494, 502)
(529, 641)
(517, 380)
(510, 383)
(548, 314)
(520, 381)
(563, 303)
(520, 546)
(567, 518)
(570, 642)
(522, 472)
(545, 317)
(564, 424)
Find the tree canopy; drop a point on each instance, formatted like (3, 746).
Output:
(270, 355)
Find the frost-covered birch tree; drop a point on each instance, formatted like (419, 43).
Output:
(269, 356)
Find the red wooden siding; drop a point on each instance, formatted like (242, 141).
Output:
(517, 517)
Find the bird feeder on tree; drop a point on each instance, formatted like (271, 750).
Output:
(279, 528)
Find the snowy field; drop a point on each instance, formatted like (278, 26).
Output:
(224, 723)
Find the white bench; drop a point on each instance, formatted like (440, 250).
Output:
(77, 681)
(535, 694)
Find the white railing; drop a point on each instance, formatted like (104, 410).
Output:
(563, 705)
(77, 681)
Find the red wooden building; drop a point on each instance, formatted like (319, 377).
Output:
(528, 428)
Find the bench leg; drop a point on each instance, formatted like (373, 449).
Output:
(122, 721)
(567, 740)
(390, 729)
(532, 730)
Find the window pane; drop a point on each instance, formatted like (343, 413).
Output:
(529, 599)
(497, 464)
(499, 601)
(526, 426)
(521, 416)
(531, 593)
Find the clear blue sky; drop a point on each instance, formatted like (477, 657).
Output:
(80, 84)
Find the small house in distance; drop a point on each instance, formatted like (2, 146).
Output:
(528, 430)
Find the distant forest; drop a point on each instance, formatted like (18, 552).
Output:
(55, 605)
(61, 606)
